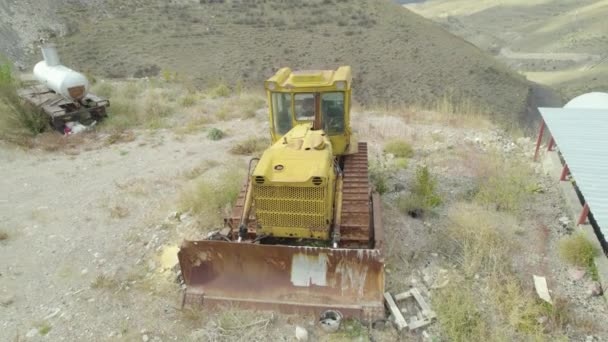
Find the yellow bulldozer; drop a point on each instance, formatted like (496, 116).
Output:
(305, 234)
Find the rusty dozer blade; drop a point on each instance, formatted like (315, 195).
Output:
(285, 278)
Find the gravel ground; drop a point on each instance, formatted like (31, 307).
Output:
(91, 249)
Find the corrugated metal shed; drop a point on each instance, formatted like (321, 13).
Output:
(582, 137)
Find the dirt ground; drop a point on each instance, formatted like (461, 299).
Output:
(91, 246)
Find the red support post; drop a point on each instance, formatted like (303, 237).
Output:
(551, 144)
(584, 214)
(565, 172)
(540, 138)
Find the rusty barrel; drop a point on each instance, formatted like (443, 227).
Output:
(285, 278)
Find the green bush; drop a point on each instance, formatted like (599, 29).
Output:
(399, 148)
(577, 250)
(215, 134)
(379, 175)
(423, 196)
(15, 117)
(504, 184)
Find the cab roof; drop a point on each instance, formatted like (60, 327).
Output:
(286, 79)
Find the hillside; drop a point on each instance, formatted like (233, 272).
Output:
(559, 43)
(397, 56)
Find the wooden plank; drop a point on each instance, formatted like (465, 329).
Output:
(426, 309)
(403, 295)
(392, 306)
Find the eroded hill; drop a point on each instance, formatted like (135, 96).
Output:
(398, 57)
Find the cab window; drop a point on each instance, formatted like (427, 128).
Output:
(305, 106)
(332, 107)
(281, 109)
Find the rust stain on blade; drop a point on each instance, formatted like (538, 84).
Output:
(285, 276)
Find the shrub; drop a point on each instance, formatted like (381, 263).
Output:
(16, 119)
(481, 238)
(399, 148)
(379, 175)
(401, 163)
(458, 315)
(215, 134)
(104, 89)
(3, 235)
(423, 196)
(577, 250)
(187, 100)
(504, 185)
(251, 145)
(208, 197)
(221, 90)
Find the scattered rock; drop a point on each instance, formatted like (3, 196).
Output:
(33, 332)
(301, 333)
(523, 142)
(589, 338)
(564, 221)
(145, 338)
(542, 320)
(7, 300)
(576, 273)
(594, 289)
(85, 271)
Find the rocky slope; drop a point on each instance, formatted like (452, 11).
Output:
(397, 56)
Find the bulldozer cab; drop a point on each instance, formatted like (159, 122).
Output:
(320, 98)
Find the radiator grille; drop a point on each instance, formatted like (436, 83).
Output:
(285, 206)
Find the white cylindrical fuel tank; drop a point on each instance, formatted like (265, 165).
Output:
(64, 81)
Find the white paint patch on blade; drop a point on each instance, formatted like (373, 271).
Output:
(307, 270)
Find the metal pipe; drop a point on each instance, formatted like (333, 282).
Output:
(317, 122)
(540, 138)
(584, 214)
(247, 205)
(338, 210)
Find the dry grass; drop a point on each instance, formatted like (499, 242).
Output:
(488, 301)
(481, 238)
(577, 250)
(250, 146)
(212, 197)
(198, 170)
(503, 184)
(119, 212)
(104, 281)
(399, 148)
(458, 314)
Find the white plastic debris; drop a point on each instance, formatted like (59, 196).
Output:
(301, 333)
(540, 284)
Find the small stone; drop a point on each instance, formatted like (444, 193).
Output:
(151, 266)
(33, 332)
(145, 338)
(589, 338)
(85, 271)
(301, 333)
(542, 320)
(564, 221)
(594, 289)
